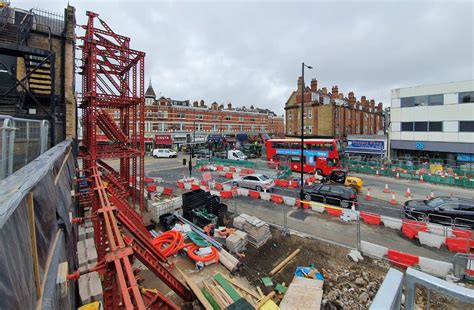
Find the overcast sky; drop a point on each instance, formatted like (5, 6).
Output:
(250, 52)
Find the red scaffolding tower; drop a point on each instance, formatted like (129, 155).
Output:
(113, 81)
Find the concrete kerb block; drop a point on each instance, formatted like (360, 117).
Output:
(436, 267)
(265, 196)
(391, 222)
(227, 187)
(91, 255)
(81, 233)
(226, 169)
(317, 208)
(213, 192)
(431, 239)
(95, 287)
(187, 185)
(84, 291)
(235, 175)
(289, 201)
(243, 191)
(90, 232)
(159, 189)
(373, 249)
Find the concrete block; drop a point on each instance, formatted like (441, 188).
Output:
(435, 267)
(90, 232)
(187, 185)
(81, 232)
(84, 291)
(265, 196)
(90, 243)
(227, 187)
(436, 229)
(391, 222)
(81, 246)
(61, 279)
(373, 249)
(88, 224)
(217, 193)
(289, 201)
(431, 239)
(226, 169)
(95, 287)
(243, 191)
(317, 208)
(91, 255)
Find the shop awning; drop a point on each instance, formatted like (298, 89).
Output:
(242, 137)
(163, 140)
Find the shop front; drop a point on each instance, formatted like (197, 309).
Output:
(366, 146)
(163, 141)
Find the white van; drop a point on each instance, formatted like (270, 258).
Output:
(236, 155)
(166, 153)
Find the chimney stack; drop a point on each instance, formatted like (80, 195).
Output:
(314, 85)
(324, 90)
(300, 83)
(372, 104)
(335, 92)
(202, 103)
(195, 104)
(379, 107)
(341, 96)
(352, 99)
(229, 106)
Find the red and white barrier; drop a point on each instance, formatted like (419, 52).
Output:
(402, 259)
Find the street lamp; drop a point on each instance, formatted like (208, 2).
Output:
(191, 148)
(303, 65)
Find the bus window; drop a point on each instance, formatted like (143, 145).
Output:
(328, 147)
(332, 162)
(295, 159)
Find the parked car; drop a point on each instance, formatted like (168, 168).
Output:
(333, 194)
(202, 153)
(442, 210)
(166, 153)
(257, 182)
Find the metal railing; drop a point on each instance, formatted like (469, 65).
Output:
(21, 141)
(389, 295)
(463, 266)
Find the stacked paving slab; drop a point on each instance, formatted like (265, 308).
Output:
(237, 241)
(90, 287)
(257, 230)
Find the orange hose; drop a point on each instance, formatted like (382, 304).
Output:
(214, 255)
(169, 243)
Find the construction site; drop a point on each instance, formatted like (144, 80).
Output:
(84, 224)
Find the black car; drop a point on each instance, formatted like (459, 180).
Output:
(442, 210)
(333, 194)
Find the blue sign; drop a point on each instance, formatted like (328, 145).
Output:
(466, 157)
(242, 137)
(216, 138)
(366, 145)
(419, 145)
(305, 152)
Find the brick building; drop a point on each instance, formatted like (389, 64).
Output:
(330, 114)
(37, 74)
(169, 121)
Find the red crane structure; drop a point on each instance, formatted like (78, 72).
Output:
(113, 78)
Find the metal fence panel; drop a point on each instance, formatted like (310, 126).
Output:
(21, 141)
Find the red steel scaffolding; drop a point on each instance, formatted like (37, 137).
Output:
(113, 78)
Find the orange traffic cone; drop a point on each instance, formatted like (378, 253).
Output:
(393, 201)
(408, 192)
(368, 196)
(398, 175)
(353, 207)
(421, 179)
(377, 173)
(386, 190)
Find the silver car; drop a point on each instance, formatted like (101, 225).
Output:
(257, 182)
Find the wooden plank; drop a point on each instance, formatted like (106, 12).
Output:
(193, 286)
(281, 265)
(62, 166)
(260, 292)
(222, 304)
(227, 287)
(240, 286)
(210, 298)
(263, 300)
(39, 305)
(222, 292)
(34, 247)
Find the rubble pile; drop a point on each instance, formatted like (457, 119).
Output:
(347, 287)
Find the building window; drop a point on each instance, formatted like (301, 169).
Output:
(310, 113)
(435, 126)
(407, 102)
(435, 100)
(241, 127)
(199, 116)
(159, 114)
(214, 117)
(466, 126)
(310, 129)
(262, 128)
(407, 126)
(252, 119)
(466, 97)
(214, 127)
(241, 118)
(253, 127)
(289, 115)
(421, 126)
(181, 115)
(228, 118)
(116, 114)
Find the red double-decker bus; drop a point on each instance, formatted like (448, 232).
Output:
(320, 156)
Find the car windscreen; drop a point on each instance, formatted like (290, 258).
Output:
(435, 202)
(264, 177)
(239, 153)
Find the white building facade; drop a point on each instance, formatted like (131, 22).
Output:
(433, 121)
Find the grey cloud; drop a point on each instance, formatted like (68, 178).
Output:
(250, 52)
